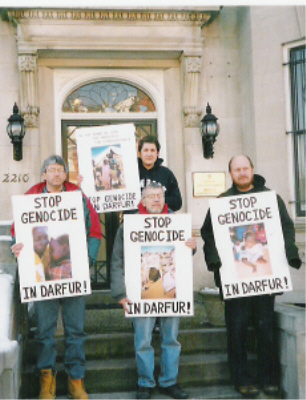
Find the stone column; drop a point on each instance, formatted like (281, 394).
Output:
(28, 89)
(192, 68)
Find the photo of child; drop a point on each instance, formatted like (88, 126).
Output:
(51, 255)
(107, 167)
(41, 253)
(250, 249)
(60, 263)
(158, 272)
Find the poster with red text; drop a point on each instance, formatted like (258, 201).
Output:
(107, 161)
(158, 265)
(53, 262)
(250, 243)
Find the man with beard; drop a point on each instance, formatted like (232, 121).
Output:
(238, 311)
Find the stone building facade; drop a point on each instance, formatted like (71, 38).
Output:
(234, 58)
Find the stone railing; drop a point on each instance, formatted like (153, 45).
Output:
(290, 320)
(10, 317)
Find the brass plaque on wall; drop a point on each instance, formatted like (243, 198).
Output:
(208, 184)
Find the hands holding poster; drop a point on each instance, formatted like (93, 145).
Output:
(108, 164)
(158, 265)
(249, 239)
(53, 262)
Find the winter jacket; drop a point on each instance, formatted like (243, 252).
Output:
(211, 255)
(165, 177)
(118, 289)
(93, 231)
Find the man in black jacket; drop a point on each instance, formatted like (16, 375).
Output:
(151, 170)
(239, 311)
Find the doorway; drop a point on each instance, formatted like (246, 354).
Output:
(109, 222)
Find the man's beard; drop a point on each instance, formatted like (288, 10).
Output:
(244, 185)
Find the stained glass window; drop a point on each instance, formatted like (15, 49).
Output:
(108, 96)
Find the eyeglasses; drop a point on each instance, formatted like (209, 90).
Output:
(55, 170)
(153, 195)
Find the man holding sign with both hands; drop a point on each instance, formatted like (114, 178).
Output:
(152, 202)
(54, 173)
(248, 254)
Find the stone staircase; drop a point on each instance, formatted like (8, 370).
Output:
(110, 365)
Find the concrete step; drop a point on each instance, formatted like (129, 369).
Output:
(113, 375)
(6, 256)
(112, 319)
(5, 227)
(103, 315)
(201, 392)
(121, 344)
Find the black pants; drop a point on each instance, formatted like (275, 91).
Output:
(239, 313)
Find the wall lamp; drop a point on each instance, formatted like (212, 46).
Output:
(209, 132)
(16, 131)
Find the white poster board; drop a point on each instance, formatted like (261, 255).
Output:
(54, 261)
(158, 265)
(107, 161)
(250, 243)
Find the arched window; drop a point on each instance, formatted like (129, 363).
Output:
(108, 96)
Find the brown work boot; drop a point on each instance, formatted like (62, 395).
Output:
(76, 389)
(47, 384)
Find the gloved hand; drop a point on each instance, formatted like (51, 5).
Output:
(295, 263)
(214, 266)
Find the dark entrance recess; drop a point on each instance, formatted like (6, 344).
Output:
(100, 272)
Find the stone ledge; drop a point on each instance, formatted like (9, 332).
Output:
(291, 318)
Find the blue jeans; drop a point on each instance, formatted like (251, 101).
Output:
(73, 313)
(144, 352)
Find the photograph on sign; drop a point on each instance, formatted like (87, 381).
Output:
(250, 243)
(108, 167)
(250, 250)
(158, 272)
(53, 262)
(107, 161)
(158, 265)
(51, 255)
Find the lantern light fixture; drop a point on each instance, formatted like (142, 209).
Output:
(16, 131)
(209, 132)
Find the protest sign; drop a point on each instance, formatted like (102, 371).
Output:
(250, 243)
(158, 265)
(107, 161)
(53, 262)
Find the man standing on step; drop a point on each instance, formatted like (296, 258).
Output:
(152, 202)
(239, 311)
(151, 170)
(54, 172)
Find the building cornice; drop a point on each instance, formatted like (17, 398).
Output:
(200, 17)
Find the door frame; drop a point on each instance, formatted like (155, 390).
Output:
(112, 220)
